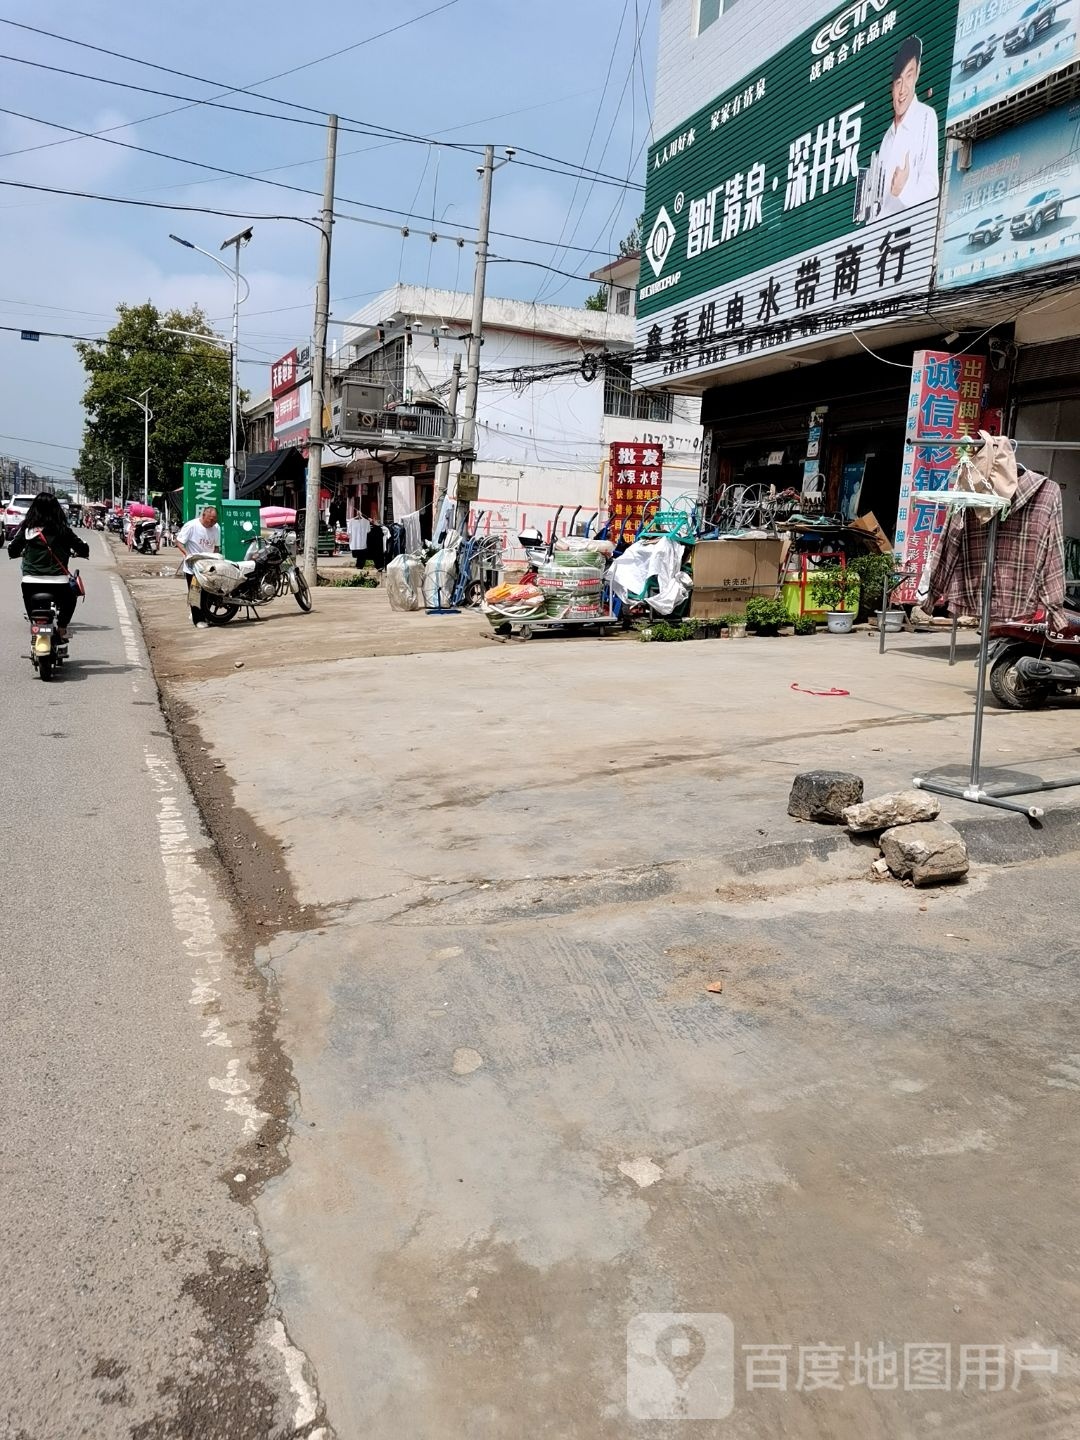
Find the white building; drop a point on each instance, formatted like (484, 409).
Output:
(543, 438)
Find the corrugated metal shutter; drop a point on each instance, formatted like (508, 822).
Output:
(1048, 362)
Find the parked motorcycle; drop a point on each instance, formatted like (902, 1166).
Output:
(145, 537)
(47, 651)
(1027, 665)
(266, 572)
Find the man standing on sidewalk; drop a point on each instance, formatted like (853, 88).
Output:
(201, 536)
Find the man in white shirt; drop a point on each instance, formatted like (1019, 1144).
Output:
(201, 536)
(909, 149)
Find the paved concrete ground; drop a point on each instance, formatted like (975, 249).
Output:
(134, 1060)
(523, 1117)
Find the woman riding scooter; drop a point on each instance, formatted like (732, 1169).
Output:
(46, 543)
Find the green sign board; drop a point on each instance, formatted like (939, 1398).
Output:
(801, 202)
(202, 486)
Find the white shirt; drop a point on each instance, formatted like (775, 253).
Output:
(913, 142)
(198, 539)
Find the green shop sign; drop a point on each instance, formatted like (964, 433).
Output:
(803, 201)
(202, 486)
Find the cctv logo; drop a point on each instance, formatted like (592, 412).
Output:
(848, 20)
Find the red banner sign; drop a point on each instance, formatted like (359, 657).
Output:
(634, 483)
(944, 405)
(283, 374)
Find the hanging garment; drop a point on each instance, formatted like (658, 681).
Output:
(358, 533)
(990, 470)
(403, 495)
(411, 526)
(376, 547)
(1029, 563)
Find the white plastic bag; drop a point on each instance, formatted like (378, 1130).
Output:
(440, 574)
(405, 583)
(651, 571)
(217, 575)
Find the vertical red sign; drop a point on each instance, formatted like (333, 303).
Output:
(944, 405)
(635, 481)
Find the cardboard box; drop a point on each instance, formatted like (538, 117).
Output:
(715, 604)
(727, 573)
(737, 564)
(869, 523)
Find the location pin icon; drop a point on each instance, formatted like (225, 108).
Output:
(681, 1348)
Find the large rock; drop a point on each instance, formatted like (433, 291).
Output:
(930, 853)
(900, 807)
(824, 795)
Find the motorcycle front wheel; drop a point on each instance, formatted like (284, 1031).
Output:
(303, 594)
(217, 610)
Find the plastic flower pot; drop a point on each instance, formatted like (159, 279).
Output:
(737, 632)
(840, 622)
(894, 621)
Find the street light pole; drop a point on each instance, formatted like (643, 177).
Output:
(148, 415)
(233, 271)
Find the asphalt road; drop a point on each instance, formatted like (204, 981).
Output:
(133, 1280)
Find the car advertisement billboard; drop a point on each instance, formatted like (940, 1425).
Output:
(803, 201)
(1005, 46)
(1018, 206)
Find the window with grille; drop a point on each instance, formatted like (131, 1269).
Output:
(621, 400)
(622, 301)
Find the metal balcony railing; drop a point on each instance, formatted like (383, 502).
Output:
(415, 422)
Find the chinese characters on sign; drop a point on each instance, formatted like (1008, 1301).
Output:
(848, 47)
(634, 482)
(202, 486)
(945, 403)
(283, 374)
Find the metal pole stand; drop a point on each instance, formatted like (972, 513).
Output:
(974, 791)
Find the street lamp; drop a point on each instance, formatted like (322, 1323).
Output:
(148, 415)
(236, 241)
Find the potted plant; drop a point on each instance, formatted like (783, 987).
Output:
(836, 591)
(876, 572)
(766, 616)
(804, 625)
(736, 625)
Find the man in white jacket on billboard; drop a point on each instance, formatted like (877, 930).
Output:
(909, 148)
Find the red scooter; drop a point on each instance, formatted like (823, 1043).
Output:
(1027, 665)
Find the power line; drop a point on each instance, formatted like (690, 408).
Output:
(360, 127)
(258, 179)
(157, 204)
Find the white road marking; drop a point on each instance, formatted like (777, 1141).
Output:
(194, 921)
(127, 629)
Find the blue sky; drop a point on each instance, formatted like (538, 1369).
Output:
(512, 72)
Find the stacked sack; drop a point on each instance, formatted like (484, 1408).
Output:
(571, 582)
(513, 602)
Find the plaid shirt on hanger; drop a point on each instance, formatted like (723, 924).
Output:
(1029, 560)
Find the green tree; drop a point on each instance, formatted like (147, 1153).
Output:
(93, 472)
(628, 245)
(188, 381)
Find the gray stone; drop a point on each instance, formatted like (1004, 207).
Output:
(899, 807)
(823, 795)
(928, 853)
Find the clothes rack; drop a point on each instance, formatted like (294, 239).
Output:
(974, 790)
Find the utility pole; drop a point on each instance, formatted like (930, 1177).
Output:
(442, 478)
(112, 481)
(476, 328)
(318, 364)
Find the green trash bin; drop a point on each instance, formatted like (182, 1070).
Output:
(239, 522)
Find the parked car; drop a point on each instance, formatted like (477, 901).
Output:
(1039, 211)
(980, 54)
(985, 232)
(15, 513)
(1036, 18)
